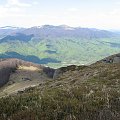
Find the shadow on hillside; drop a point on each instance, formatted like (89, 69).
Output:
(18, 36)
(30, 58)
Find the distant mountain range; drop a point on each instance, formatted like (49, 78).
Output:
(58, 45)
(57, 31)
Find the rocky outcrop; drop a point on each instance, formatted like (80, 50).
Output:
(49, 71)
(112, 59)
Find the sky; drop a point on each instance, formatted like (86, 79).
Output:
(102, 14)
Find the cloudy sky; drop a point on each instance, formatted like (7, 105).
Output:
(103, 14)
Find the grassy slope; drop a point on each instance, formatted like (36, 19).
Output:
(87, 93)
(23, 77)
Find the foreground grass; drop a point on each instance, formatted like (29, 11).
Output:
(58, 104)
(74, 96)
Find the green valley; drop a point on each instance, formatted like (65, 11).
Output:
(61, 52)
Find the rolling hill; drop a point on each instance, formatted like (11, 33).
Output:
(16, 74)
(57, 46)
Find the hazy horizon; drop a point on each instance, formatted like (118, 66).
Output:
(100, 14)
(26, 27)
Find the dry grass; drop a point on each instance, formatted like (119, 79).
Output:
(30, 68)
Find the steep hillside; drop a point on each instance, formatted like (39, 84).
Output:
(16, 74)
(76, 93)
(52, 45)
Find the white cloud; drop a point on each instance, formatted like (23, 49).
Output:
(17, 3)
(115, 12)
(12, 8)
(72, 9)
(117, 3)
(35, 3)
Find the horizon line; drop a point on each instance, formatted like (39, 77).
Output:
(14, 26)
